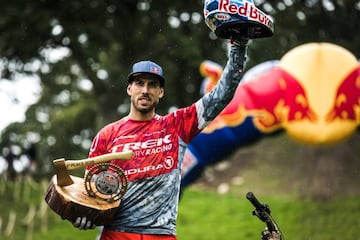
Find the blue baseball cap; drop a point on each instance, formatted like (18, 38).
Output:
(147, 67)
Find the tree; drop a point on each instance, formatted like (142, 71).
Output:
(99, 41)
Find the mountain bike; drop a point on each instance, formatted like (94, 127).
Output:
(263, 212)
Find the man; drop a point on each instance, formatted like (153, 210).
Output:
(149, 208)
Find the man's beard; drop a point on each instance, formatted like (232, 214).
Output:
(148, 109)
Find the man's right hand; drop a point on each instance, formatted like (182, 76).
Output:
(83, 223)
(239, 41)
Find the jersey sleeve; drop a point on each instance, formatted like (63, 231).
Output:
(211, 104)
(186, 122)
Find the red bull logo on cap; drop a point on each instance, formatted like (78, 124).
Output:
(155, 70)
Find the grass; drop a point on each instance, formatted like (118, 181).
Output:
(203, 214)
(208, 215)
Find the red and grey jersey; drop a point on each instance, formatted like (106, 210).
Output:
(150, 204)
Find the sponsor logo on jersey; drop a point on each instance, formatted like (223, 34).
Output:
(167, 164)
(148, 147)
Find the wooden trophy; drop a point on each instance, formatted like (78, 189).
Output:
(96, 196)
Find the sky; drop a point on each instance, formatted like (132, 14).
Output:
(24, 90)
(15, 97)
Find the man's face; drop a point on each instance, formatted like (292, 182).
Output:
(145, 92)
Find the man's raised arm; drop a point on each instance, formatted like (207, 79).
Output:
(211, 104)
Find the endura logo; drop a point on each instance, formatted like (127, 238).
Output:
(168, 165)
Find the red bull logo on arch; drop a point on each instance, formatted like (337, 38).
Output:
(332, 91)
(347, 101)
(317, 103)
(286, 101)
